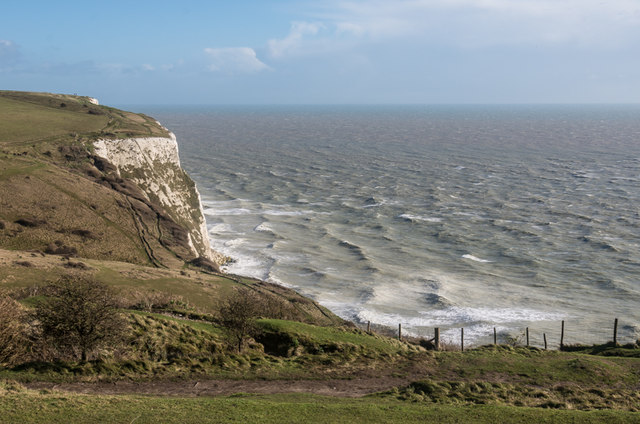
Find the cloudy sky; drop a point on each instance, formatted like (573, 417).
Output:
(327, 52)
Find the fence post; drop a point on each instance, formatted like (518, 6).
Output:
(527, 336)
(562, 336)
(615, 332)
(544, 336)
(495, 336)
(437, 338)
(368, 326)
(399, 331)
(462, 339)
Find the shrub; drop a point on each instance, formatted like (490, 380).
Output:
(79, 316)
(238, 314)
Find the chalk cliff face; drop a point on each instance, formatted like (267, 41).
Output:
(153, 164)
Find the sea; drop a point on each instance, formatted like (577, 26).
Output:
(476, 217)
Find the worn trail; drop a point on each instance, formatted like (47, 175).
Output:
(191, 388)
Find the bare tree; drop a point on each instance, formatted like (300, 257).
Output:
(80, 315)
(239, 313)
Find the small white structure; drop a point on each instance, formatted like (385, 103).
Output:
(93, 100)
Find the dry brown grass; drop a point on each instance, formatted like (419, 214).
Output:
(13, 330)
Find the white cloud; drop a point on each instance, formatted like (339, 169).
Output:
(9, 53)
(489, 22)
(294, 42)
(234, 60)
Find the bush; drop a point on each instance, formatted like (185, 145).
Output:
(79, 316)
(238, 314)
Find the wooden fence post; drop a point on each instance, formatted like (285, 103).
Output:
(615, 332)
(437, 338)
(562, 336)
(462, 339)
(544, 336)
(495, 336)
(527, 336)
(399, 331)
(368, 326)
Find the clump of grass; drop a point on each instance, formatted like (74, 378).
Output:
(562, 396)
(11, 387)
(286, 338)
(162, 340)
(13, 331)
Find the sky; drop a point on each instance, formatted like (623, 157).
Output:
(324, 51)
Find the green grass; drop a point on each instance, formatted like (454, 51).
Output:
(19, 405)
(66, 115)
(536, 367)
(19, 117)
(210, 328)
(308, 335)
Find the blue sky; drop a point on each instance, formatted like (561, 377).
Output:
(324, 52)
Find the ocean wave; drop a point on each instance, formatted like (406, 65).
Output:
(354, 249)
(435, 299)
(235, 242)
(245, 211)
(599, 244)
(476, 259)
(264, 227)
(414, 218)
(220, 228)
(277, 212)
(225, 212)
(247, 264)
(457, 316)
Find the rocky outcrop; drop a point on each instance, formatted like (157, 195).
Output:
(153, 164)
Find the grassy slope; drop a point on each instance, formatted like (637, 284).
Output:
(199, 292)
(46, 178)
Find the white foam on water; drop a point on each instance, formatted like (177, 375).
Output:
(340, 308)
(227, 212)
(480, 320)
(410, 217)
(275, 280)
(276, 212)
(220, 228)
(476, 259)
(235, 242)
(264, 227)
(217, 204)
(248, 262)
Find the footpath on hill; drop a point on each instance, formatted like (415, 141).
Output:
(190, 388)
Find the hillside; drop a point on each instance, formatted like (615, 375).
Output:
(59, 196)
(87, 184)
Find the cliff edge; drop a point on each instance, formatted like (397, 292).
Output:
(153, 164)
(81, 179)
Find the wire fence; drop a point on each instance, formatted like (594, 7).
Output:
(547, 335)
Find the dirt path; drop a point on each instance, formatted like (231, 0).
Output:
(340, 388)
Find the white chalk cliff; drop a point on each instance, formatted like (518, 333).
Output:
(154, 165)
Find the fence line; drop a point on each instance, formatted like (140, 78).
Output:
(551, 336)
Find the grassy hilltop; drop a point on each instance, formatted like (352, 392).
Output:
(65, 215)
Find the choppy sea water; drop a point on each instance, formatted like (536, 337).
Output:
(429, 216)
